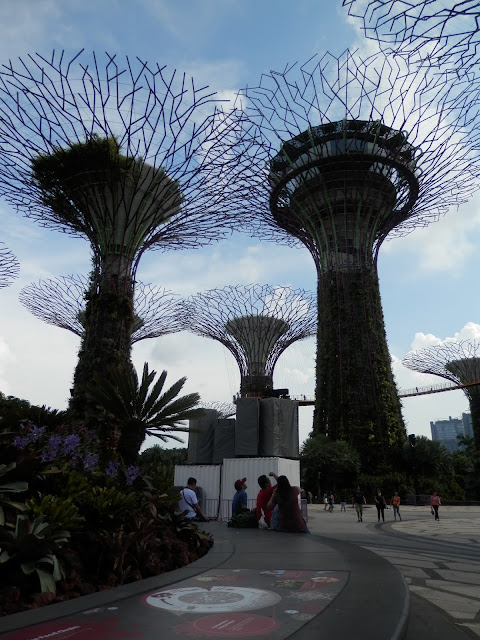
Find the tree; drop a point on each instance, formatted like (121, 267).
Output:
(138, 410)
(326, 462)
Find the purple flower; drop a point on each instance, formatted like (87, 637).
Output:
(70, 443)
(52, 448)
(20, 442)
(35, 433)
(112, 469)
(90, 462)
(131, 474)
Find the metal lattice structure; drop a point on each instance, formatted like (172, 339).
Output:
(224, 409)
(426, 30)
(256, 323)
(335, 170)
(9, 267)
(458, 362)
(121, 152)
(62, 302)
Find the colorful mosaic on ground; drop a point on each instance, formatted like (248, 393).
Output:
(220, 603)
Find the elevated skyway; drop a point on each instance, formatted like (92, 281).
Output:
(403, 393)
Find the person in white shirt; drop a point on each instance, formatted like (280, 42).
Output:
(188, 504)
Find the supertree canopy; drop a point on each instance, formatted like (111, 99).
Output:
(224, 409)
(125, 154)
(455, 361)
(427, 30)
(62, 301)
(256, 323)
(9, 266)
(350, 151)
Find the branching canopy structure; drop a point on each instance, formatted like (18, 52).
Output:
(427, 30)
(123, 153)
(256, 323)
(9, 266)
(62, 302)
(224, 409)
(455, 361)
(347, 152)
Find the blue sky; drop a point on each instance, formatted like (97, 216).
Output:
(428, 279)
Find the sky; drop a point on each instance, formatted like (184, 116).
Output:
(428, 279)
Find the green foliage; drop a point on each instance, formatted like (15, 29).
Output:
(57, 510)
(17, 486)
(328, 464)
(138, 410)
(30, 546)
(14, 411)
(107, 506)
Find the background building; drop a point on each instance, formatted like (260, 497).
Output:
(446, 431)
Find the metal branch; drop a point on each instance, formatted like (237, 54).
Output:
(423, 30)
(224, 409)
(62, 303)
(9, 266)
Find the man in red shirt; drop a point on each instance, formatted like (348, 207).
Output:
(264, 496)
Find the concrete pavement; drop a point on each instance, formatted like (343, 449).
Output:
(253, 583)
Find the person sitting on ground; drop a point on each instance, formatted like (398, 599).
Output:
(188, 503)
(285, 497)
(263, 497)
(239, 502)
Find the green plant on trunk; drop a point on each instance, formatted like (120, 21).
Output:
(138, 409)
(30, 547)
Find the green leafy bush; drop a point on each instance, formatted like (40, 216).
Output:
(57, 510)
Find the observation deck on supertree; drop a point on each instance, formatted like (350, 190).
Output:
(425, 31)
(455, 361)
(125, 154)
(9, 266)
(62, 302)
(256, 323)
(350, 151)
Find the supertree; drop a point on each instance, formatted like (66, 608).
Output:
(62, 301)
(423, 30)
(334, 169)
(256, 323)
(224, 409)
(455, 361)
(9, 266)
(125, 154)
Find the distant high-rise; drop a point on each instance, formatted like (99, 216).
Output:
(447, 431)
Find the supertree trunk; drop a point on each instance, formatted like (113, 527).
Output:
(356, 395)
(473, 394)
(106, 344)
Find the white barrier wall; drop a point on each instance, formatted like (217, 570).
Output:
(207, 477)
(217, 481)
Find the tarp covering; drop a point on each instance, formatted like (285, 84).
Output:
(247, 427)
(224, 440)
(200, 438)
(278, 428)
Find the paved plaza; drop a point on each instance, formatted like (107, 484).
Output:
(439, 560)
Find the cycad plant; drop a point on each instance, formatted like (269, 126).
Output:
(138, 410)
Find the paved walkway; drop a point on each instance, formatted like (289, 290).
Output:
(437, 573)
(252, 584)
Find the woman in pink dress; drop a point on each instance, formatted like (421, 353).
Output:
(285, 497)
(435, 503)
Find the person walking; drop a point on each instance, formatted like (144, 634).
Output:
(380, 504)
(435, 503)
(395, 502)
(342, 504)
(325, 502)
(358, 500)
